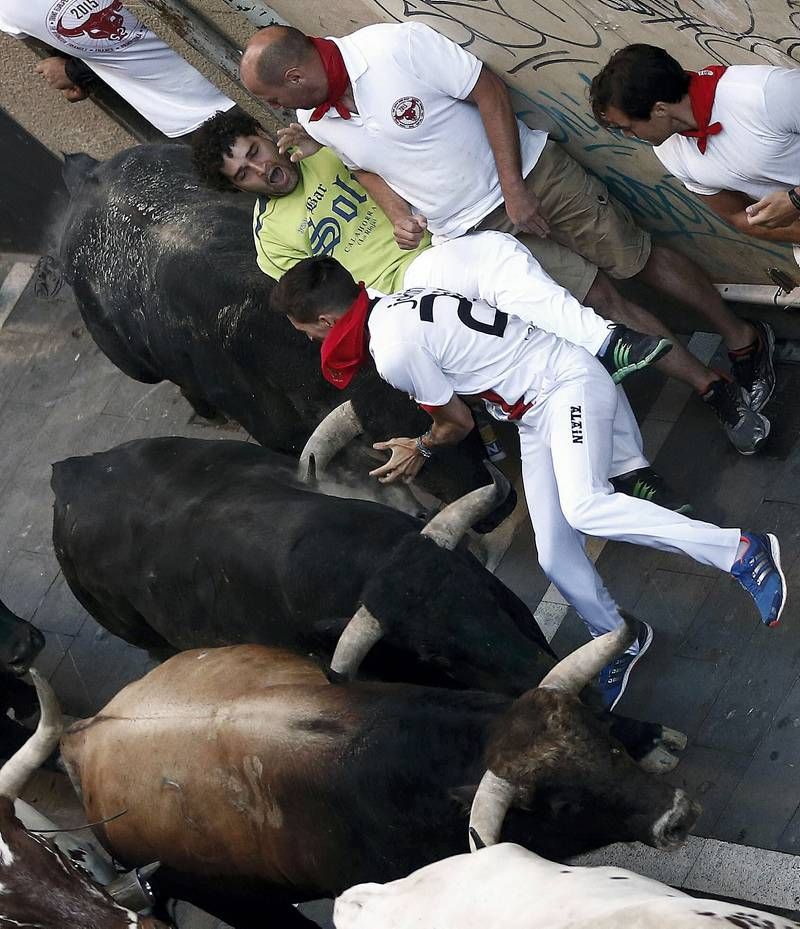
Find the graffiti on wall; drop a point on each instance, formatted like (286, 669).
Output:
(549, 52)
(539, 35)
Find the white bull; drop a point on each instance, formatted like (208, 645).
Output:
(507, 887)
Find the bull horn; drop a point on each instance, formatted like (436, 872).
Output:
(17, 771)
(338, 428)
(447, 528)
(360, 634)
(580, 667)
(489, 807)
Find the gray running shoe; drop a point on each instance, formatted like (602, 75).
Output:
(745, 428)
(754, 367)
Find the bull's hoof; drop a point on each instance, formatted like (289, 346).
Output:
(659, 761)
(661, 758)
(673, 739)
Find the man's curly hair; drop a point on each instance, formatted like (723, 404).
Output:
(215, 139)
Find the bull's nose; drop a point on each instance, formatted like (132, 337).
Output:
(673, 827)
(24, 652)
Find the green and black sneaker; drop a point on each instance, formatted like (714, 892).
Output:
(647, 484)
(628, 351)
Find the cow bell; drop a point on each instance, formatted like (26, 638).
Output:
(132, 889)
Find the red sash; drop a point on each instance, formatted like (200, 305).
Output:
(515, 411)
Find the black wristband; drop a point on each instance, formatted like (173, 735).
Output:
(80, 73)
(794, 196)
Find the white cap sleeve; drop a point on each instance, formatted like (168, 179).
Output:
(441, 63)
(782, 99)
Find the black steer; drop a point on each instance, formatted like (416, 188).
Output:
(165, 276)
(177, 543)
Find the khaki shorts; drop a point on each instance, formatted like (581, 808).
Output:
(588, 228)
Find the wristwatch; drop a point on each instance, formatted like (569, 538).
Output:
(422, 448)
(794, 196)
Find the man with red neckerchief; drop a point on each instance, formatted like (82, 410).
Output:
(731, 135)
(430, 132)
(440, 347)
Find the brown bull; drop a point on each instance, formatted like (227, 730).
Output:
(41, 887)
(244, 767)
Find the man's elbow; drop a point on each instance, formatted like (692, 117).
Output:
(488, 88)
(463, 426)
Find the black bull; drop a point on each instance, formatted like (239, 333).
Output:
(165, 276)
(179, 543)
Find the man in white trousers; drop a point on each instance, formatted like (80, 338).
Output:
(439, 347)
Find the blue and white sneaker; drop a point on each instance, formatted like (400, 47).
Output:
(759, 572)
(613, 679)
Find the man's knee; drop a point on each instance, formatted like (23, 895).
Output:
(580, 511)
(603, 297)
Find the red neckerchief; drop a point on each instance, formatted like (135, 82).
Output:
(345, 347)
(702, 89)
(338, 78)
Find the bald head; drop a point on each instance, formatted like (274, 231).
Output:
(281, 66)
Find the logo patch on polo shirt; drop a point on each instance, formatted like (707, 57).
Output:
(408, 112)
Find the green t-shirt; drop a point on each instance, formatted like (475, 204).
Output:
(330, 213)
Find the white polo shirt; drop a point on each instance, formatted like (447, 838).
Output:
(125, 54)
(415, 129)
(758, 150)
(432, 344)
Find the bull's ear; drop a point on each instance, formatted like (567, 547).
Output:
(78, 168)
(476, 840)
(463, 797)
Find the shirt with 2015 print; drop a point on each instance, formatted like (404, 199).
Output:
(124, 53)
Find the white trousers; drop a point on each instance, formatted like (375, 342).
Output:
(567, 442)
(496, 268)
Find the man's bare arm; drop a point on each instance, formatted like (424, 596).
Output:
(775, 211)
(491, 97)
(408, 227)
(732, 205)
(451, 423)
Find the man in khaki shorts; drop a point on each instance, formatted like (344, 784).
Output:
(431, 134)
